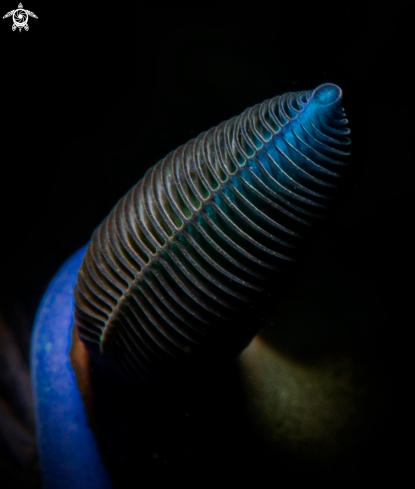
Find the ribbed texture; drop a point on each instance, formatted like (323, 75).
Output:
(170, 274)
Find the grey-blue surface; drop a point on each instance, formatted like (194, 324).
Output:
(68, 452)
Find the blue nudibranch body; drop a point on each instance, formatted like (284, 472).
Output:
(169, 278)
(68, 452)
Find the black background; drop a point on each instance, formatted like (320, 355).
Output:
(92, 97)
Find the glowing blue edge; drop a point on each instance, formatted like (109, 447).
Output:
(68, 452)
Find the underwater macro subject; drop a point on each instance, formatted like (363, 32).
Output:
(173, 283)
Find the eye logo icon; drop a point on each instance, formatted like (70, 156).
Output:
(20, 17)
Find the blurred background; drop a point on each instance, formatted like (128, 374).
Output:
(92, 97)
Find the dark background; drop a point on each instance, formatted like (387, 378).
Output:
(92, 98)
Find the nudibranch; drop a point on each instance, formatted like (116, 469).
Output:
(164, 289)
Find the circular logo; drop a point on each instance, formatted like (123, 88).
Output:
(20, 17)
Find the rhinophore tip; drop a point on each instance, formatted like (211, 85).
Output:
(327, 94)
